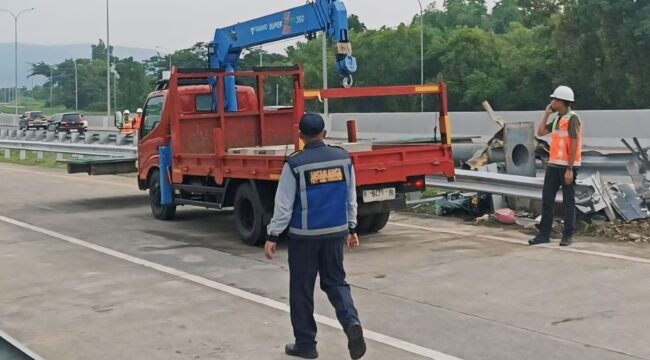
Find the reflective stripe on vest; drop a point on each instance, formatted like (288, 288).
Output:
(321, 204)
(561, 141)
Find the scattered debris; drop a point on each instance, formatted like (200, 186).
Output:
(626, 202)
(505, 216)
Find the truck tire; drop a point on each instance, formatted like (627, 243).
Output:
(250, 215)
(379, 221)
(160, 212)
(364, 223)
(372, 223)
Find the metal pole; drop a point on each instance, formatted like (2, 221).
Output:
(76, 86)
(261, 57)
(325, 101)
(16, 66)
(421, 56)
(108, 65)
(16, 16)
(277, 94)
(115, 91)
(51, 85)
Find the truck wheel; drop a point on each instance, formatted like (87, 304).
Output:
(379, 221)
(364, 223)
(372, 223)
(249, 215)
(160, 212)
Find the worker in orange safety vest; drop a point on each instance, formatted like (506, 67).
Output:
(563, 163)
(138, 119)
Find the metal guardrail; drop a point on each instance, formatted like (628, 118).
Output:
(71, 148)
(494, 183)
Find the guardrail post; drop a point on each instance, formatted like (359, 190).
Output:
(4, 133)
(13, 133)
(40, 135)
(59, 157)
(39, 156)
(89, 138)
(50, 135)
(62, 136)
(7, 154)
(104, 138)
(121, 139)
(74, 137)
(22, 155)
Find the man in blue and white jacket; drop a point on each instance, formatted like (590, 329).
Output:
(316, 199)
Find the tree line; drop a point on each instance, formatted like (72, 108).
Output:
(512, 55)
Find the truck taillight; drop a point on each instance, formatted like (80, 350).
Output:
(415, 183)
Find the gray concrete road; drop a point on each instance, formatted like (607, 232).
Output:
(73, 283)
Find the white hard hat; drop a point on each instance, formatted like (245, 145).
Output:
(126, 112)
(563, 93)
(139, 110)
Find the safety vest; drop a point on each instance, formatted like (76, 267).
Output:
(136, 121)
(322, 176)
(561, 142)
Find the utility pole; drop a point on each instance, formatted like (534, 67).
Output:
(51, 85)
(16, 16)
(325, 101)
(421, 56)
(108, 65)
(76, 86)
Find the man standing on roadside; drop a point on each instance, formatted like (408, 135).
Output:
(564, 160)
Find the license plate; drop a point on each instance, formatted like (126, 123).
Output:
(378, 195)
(73, 130)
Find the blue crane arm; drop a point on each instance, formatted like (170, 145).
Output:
(329, 16)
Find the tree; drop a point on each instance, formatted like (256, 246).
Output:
(355, 25)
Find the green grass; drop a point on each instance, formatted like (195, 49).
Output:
(49, 159)
(432, 192)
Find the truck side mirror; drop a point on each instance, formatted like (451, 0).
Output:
(118, 120)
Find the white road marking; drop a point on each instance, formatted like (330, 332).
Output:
(522, 242)
(372, 335)
(19, 346)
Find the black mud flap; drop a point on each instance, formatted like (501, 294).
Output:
(102, 166)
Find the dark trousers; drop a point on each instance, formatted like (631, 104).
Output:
(553, 179)
(306, 259)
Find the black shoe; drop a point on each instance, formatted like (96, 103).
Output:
(301, 351)
(539, 240)
(566, 241)
(356, 343)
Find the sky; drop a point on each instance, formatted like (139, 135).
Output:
(166, 23)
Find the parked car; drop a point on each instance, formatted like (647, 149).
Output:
(32, 120)
(68, 122)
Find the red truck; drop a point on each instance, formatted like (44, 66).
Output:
(192, 152)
